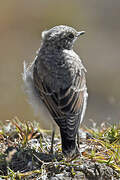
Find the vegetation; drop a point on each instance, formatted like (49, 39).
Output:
(24, 153)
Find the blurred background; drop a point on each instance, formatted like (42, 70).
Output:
(21, 24)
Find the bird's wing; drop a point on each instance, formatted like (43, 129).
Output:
(66, 105)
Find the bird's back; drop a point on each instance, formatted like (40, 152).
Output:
(58, 69)
(60, 81)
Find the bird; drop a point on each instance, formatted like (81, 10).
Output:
(56, 85)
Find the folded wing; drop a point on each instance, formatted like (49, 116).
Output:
(66, 105)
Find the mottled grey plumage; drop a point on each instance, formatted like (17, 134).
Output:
(56, 78)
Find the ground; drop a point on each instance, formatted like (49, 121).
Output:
(24, 153)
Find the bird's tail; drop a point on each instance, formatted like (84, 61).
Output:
(69, 146)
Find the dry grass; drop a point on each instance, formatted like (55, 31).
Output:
(24, 153)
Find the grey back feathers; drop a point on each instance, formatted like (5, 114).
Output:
(57, 80)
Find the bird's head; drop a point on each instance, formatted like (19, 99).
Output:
(61, 37)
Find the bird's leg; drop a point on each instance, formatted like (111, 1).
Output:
(52, 141)
(78, 139)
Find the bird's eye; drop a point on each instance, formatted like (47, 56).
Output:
(71, 35)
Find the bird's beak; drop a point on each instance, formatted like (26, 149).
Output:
(80, 33)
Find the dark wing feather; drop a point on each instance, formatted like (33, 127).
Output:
(66, 105)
